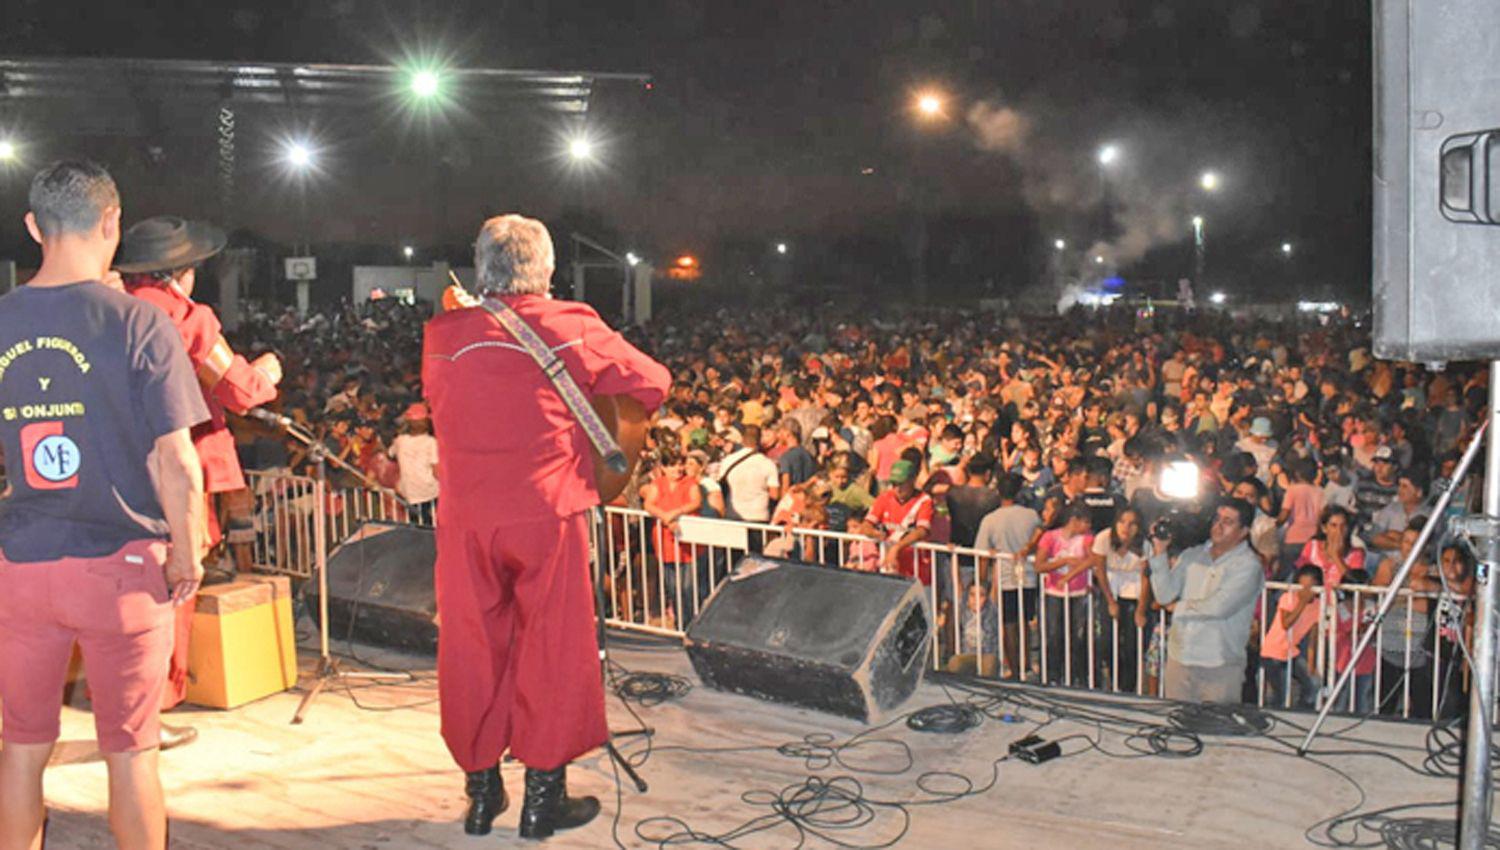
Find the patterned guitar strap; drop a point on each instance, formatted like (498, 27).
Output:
(557, 371)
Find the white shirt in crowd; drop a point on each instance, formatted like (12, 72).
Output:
(751, 480)
(416, 455)
(1125, 569)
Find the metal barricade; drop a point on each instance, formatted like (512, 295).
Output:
(288, 511)
(993, 619)
(1413, 670)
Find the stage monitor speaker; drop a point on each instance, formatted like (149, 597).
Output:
(381, 579)
(1437, 180)
(839, 641)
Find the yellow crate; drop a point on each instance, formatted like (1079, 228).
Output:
(243, 646)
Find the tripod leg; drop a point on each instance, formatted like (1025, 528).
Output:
(327, 669)
(640, 784)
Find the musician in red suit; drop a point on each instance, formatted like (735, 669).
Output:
(158, 259)
(518, 667)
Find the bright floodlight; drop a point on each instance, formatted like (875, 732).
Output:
(581, 149)
(1209, 181)
(1098, 259)
(632, 258)
(7, 150)
(1286, 248)
(781, 247)
(299, 155)
(1197, 222)
(425, 84)
(408, 251)
(1218, 298)
(1059, 244)
(1108, 154)
(929, 104)
(1180, 480)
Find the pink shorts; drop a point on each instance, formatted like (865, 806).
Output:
(118, 610)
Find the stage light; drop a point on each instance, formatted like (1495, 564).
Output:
(426, 84)
(1059, 244)
(1197, 222)
(8, 150)
(1098, 259)
(781, 247)
(299, 155)
(1218, 298)
(580, 149)
(408, 251)
(1180, 480)
(631, 258)
(687, 261)
(1286, 249)
(1108, 154)
(930, 104)
(1209, 181)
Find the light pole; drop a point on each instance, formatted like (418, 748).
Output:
(1106, 157)
(1198, 250)
(930, 107)
(301, 160)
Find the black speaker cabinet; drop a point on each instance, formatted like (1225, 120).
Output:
(1437, 180)
(848, 643)
(381, 580)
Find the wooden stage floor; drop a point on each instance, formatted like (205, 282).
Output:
(377, 776)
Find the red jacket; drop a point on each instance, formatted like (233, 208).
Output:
(227, 380)
(509, 450)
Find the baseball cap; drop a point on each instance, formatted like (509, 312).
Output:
(902, 471)
(1384, 453)
(1261, 427)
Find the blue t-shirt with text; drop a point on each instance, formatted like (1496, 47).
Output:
(89, 379)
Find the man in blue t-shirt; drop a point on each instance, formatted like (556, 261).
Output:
(98, 536)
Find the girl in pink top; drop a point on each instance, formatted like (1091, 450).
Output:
(1331, 551)
(1281, 656)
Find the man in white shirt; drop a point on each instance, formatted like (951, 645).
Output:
(1215, 586)
(752, 480)
(416, 456)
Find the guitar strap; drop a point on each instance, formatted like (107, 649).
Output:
(557, 371)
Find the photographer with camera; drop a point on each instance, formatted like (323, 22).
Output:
(1215, 586)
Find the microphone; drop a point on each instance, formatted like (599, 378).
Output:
(266, 416)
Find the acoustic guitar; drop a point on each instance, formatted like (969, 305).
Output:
(626, 419)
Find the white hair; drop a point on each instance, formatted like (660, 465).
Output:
(513, 256)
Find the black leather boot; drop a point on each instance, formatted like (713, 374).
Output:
(486, 800)
(548, 807)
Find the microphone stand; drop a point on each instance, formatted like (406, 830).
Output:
(328, 667)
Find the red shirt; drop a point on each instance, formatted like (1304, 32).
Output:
(227, 379)
(509, 450)
(896, 518)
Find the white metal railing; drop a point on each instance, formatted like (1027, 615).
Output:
(657, 581)
(1014, 629)
(288, 511)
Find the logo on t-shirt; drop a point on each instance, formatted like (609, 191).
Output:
(52, 458)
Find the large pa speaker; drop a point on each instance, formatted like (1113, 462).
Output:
(844, 642)
(380, 587)
(1437, 180)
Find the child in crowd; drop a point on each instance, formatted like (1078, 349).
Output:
(1282, 659)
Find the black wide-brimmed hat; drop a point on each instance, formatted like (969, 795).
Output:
(167, 243)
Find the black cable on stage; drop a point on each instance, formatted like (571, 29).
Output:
(650, 689)
(945, 719)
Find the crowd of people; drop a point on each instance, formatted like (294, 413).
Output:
(1045, 439)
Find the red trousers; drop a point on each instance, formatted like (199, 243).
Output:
(518, 666)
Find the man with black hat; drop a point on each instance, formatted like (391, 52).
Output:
(159, 258)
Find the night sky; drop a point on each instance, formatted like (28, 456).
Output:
(794, 121)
